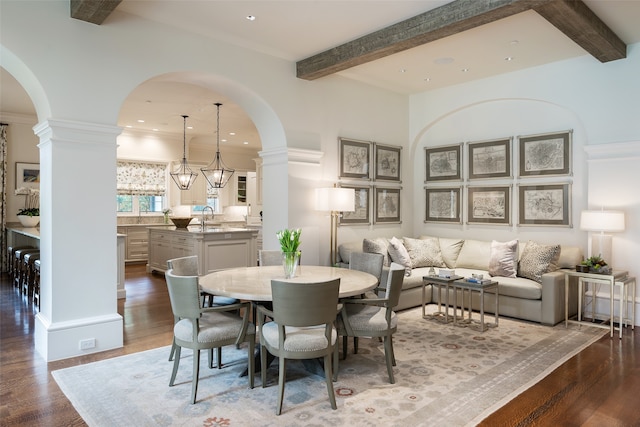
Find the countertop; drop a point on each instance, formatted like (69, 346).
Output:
(197, 229)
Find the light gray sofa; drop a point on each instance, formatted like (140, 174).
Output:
(539, 300)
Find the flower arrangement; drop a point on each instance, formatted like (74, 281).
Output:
(31, 201)
(289, 240)
(166, 213)
(597, 265)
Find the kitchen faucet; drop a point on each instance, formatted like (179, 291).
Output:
(203, 215)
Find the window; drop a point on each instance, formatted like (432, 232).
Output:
(139, 204)
(141, 187)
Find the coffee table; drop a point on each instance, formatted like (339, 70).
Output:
(438, 281)
(470, 287)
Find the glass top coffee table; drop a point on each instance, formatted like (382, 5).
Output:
(440, 315)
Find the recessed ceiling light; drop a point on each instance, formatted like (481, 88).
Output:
(514, 42)
(189, 127)
(427, 79)
(509, 58)
(140, 121)
(465, 70)
(129, 126)
(154, 129)
(223, 140)
(403, 70)
(232, 133)
(246, 143)
(251, 18)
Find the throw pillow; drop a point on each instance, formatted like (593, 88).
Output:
(424, 252)
(450, 249)
(537, 260)
(474, 255)
(379, 245)
(503, 261)
(399, 254)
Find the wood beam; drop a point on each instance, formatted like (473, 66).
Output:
(456, 17)
(94, 11)
(581, 25)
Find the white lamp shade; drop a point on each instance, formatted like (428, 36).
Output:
(602, 221)
(335, 199)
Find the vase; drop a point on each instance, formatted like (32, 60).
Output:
(290, 262)
(28, 221)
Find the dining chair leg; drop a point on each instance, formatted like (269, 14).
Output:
(173, 350)
(219, 357)
(345, 345)
(252, 362)
(388, 352)
(263, 365)
(176, 362)
(196, 373)
(335, 362)
(281, 380)
(328, 378)
(355, 345)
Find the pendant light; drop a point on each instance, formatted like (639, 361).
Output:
(184, 176)
(216, 172)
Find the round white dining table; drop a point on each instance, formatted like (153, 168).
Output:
(254, 283)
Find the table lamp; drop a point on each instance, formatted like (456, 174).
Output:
(602, 221)
(335, 200)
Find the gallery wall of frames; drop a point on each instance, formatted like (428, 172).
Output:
(476, 182)
(377, 189)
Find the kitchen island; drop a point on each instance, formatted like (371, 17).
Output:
(216, 248)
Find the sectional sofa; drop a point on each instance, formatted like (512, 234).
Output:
(530, 274)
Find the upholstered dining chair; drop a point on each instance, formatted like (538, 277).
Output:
(188, 266)
(302, 328)
(374, 317)
(200, 328)
(268, 257)
(371, 263)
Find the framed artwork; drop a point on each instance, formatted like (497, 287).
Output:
(387, 205)
(548, 204)
(443, 163)
(362, 204)
(387, 163)
(490, 159)
(28, 175)
(546, 154)
(354, 158)
(489, 205)
(443, 205)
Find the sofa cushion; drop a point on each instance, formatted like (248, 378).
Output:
(449, 248)
(503, 261)
(424, 252)
(519, 287)
(379, 245)
(570, 256)
(474, 255)
(538, 259)
(399, 254)
(345, 249)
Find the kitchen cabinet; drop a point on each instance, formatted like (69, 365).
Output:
(195, 195)
(216, 248)
(136, 242)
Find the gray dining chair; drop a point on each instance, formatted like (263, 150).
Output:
(302, 328)
(188, 266)
(374, 317)
(269, 257)
(200, 328)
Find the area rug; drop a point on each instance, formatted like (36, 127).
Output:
(445, 376)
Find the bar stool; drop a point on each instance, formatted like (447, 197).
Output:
(29, 273)
(36, 283)
(19, 269)
(11, 254)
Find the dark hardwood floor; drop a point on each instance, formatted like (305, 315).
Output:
(598, 387)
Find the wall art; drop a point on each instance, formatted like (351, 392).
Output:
(387, 163)
(361, 214)
(545, 154)
(387, 205)
(548, 204)
(443, 205)
(490, 159)
(354, 158)
(489, 205)
(443, 163)
(28, 175)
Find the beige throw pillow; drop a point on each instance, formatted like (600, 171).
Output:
(424, 252)
(399, 254)
(378, 245)
(503, 261)
(474, 255)
(537, 260)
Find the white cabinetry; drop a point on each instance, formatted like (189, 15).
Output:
(136, 242)
(196, 195)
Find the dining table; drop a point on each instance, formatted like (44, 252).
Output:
(254, 283)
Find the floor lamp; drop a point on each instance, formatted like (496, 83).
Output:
(335, 200)
(601, 222)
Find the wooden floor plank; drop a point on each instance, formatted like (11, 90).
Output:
(598, 387)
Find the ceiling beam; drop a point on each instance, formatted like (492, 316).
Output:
(94, 11)
(572, 17)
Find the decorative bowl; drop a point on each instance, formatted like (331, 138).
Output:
(181, 222)
(28, 221)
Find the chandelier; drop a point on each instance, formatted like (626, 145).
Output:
(217, 173)
(183, 175)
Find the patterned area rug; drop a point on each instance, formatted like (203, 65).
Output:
(445, 376)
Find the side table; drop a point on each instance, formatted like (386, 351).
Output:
(471, 287)
(606, 279)
(439, 282)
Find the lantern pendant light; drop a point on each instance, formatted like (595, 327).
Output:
(217, 173)
(184, 176)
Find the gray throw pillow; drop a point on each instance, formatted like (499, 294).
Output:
(537, 260)
(378, 245)
(504, 259)
(424, 252)
(399, 254)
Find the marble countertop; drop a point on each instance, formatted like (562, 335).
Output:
(197, 229)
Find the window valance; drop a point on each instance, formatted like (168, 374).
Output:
(141, 179)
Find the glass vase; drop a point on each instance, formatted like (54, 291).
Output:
(290, 262)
